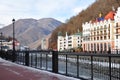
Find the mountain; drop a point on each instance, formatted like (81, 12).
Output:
(89, 14)
(29, 31)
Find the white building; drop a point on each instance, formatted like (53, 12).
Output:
(69, 41)
(99, 35)
(117, 29)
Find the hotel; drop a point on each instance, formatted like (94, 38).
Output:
(98, 35)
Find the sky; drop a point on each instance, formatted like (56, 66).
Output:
(37, 9)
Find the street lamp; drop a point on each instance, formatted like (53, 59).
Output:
(13, 20)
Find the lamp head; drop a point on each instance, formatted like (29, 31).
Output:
(13, 20)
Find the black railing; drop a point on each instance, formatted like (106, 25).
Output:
(84, 66)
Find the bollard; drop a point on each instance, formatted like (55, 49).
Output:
(26, 58)
(55, 61)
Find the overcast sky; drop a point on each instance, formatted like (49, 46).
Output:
(37, 9)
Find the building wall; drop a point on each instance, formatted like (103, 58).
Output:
(117, 29)
(98, 36)
(68, 42)
(61, 43)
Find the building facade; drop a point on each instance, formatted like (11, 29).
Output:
(99, 35)
(69, 41)
(45, 43)
(117, 29)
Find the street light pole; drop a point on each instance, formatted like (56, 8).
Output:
(13, 20)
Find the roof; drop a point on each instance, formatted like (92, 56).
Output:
(110, 15)
(78, 33)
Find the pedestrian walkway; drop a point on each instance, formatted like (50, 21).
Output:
(12, 71)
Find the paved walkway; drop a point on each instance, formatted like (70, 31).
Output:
(12, 71)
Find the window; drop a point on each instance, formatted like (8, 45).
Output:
(97, 47)
(101, 32)
(109, 25)
(97, 38)
(91, 46)
(108, 37)
(101, 37)
(116, 36)
(69, 41)
(105, 46)
(116, 30)
(105, 27)
(116, 24)
(104, 31)
(105, 37)
(94, 38)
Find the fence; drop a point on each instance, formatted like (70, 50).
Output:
(84, 66)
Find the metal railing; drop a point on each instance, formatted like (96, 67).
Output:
(85, 66)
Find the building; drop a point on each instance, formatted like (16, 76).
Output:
(68, 42)
(45, 43)
(98, 35)
(117, 29)
(8, 45)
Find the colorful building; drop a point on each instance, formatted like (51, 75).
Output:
(99, 35)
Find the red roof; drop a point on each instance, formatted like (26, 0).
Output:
(110, 15)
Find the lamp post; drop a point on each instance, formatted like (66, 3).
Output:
(13, 21)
